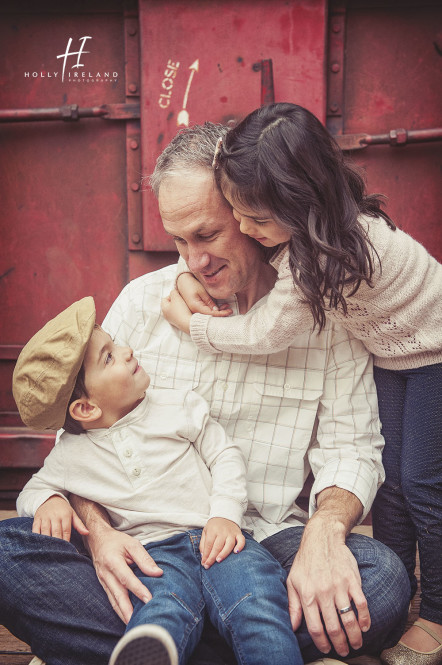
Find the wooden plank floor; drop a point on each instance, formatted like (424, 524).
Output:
(14, 652)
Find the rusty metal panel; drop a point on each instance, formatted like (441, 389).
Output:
(63, 184)
(202, 61)
(393, 67)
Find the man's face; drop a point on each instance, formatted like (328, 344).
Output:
(113, 378)
(206, 234)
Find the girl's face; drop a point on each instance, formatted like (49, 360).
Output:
(259, 226)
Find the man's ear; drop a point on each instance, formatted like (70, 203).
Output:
(84, 411)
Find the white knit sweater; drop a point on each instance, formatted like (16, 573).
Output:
(399, 318)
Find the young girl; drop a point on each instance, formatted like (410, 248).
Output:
(340, 258)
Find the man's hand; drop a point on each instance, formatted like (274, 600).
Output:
(112, 553)
(196, 297)
(220, 536)
(55, 517)
(325, 578)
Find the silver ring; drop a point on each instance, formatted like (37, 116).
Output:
(345, 609)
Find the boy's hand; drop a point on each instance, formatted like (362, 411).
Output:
(220, 536)
(176, 311)
(196, 297)
(55, 517)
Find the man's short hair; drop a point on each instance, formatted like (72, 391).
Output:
(192, 148)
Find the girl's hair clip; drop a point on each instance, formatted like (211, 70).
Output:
(217, 152)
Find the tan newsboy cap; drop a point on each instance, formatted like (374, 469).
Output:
(46, 370)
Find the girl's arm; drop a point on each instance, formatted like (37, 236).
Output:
(266, 329)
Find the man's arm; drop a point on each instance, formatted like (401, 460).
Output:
(347, 464)
(324, 576)
(112, 553)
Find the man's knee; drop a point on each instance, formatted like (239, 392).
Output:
(14, 534)
(385, 581)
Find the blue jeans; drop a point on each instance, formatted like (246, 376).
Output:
(408, 507)
(51, 598)
(244, 596)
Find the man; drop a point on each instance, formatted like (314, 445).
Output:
(313, 405)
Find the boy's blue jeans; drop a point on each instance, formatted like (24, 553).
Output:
(244, 596)
(50, 597)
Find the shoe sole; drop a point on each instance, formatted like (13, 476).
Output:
(145, 645)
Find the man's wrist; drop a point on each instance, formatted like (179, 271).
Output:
(326, 521)
(338, 511)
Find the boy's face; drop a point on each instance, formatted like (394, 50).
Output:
(113, 378)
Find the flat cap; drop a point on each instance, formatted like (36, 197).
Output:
(46, 370)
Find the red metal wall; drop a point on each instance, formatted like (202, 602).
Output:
(393, 80)
(75, 218)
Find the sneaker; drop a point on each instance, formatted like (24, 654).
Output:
(147, 644)
(36, 661)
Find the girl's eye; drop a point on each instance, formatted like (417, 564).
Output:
(108, 358)
(259, 223)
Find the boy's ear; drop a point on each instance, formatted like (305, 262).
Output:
(84, 411)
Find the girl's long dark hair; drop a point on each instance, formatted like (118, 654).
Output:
(282, 161)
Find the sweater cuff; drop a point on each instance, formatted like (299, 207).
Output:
(229, 509)
(198, 331)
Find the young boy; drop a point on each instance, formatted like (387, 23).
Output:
(168, 475)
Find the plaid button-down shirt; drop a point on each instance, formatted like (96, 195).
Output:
(311, 406)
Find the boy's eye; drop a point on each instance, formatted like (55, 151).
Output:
(108, 358)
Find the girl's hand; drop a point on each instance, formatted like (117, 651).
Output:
(55, 517)
(196, 297)
(220, 536)
(176, 311)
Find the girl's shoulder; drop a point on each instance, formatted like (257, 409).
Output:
(378, 231)
(395, 249)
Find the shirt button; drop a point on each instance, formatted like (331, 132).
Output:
(136, 472)
(287, 386)
(225, 387)
(128, 452)
(163, 377)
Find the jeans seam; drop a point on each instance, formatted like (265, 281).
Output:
(179, 600)
(190, 627)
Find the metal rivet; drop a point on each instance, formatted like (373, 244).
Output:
(135, 186)
(336, 27)
(133, 144)
(133, 87)
(334, 107)
(136, 238)
(336, 67)
(132, 31)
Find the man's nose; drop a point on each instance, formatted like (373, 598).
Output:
(197, 260)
